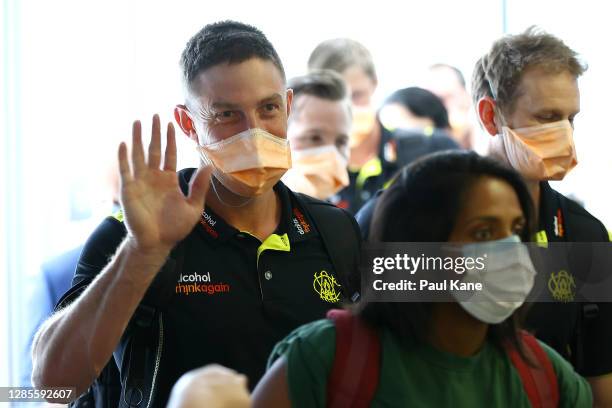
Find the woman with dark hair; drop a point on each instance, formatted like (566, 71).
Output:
(414, 107)
(455, 353)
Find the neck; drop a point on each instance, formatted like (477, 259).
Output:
(454, 331)
(364, 152)
(258, 216)
(497, 150)
(534, 190)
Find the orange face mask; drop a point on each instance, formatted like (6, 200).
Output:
(364, 120)
(249, 163)
(319, 172)
(543, 152)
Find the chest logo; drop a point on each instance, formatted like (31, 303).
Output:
(199, 283)
(326, 287)
(562, 286)
(301, 226)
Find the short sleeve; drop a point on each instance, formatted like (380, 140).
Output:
(309, 351)
(97, 252)
(574, 390)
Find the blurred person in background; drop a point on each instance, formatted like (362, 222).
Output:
(318, 133)
(369, 165)
(525, 89)
(448, 83)
(418, 123)
(55, 278)
(414, 108)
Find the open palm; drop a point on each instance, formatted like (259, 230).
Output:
(156, 212)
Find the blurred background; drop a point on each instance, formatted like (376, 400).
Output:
(75, 74)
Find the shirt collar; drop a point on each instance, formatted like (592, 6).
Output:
(294, 221)
(551, 218)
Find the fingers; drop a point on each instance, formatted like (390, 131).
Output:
(170, 154)
(124, 167)
(155, 144)
(198, 187)
(138, 160)
(139, 165)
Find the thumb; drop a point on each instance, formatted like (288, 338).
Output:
(198, 186)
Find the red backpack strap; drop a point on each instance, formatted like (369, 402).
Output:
(540, 383)
(355, 373)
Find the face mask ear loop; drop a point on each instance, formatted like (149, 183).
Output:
(485, 71)
(212, 182)
(498, 114)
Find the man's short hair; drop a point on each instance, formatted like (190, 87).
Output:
(498, 73)
(324, 84)
(340, 54)
(228, 42)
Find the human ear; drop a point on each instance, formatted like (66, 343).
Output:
(289, 100)
(185, 122)
(486, 114)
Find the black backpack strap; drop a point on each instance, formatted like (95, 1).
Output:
(140, 345)
(341, 237)
(141, 351)
(587, 311)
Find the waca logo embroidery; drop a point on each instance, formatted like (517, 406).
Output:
(561, 286)
(326, 286)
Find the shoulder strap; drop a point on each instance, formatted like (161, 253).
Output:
(341, 237)
(356, 370)
(139, 352)
(539, 381)
(162, 288)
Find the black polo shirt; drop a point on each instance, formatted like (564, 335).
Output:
(235, 297)
(581, 332)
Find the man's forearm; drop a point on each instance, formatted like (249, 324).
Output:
(74, 345)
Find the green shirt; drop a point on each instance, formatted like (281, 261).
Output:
(420, 376)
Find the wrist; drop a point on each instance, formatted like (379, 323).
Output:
(146, 255)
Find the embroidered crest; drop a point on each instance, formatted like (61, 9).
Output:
(326, 286)
(562, 286)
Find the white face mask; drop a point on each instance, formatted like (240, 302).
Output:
(506, 280)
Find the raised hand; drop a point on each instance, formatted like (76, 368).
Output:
(156, 212)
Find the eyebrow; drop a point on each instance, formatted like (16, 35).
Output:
(272, 98)
(555, 111)
(222, 105)
(314, 130)
(492, 218)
